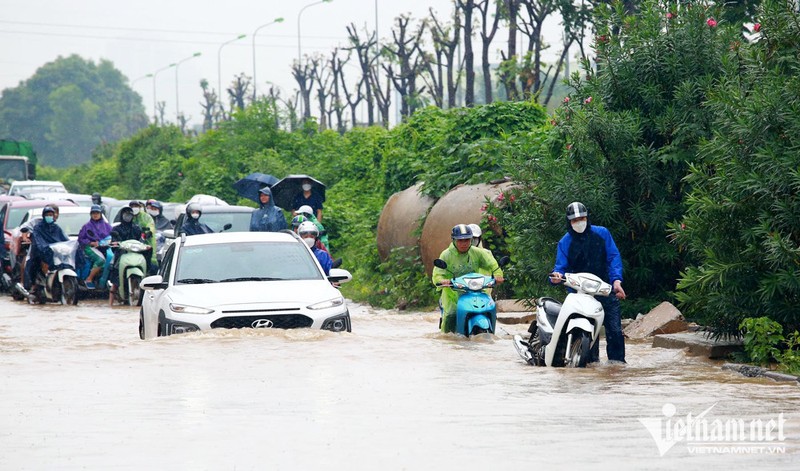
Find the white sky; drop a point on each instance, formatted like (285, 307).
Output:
(143, 36)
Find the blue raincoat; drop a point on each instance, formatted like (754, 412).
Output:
(268, 218)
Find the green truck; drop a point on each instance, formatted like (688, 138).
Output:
(17, 162)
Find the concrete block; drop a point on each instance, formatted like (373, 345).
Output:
(696, 343)
(663, 319)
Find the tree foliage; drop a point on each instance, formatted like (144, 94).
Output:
(68, 107)
(742, 222)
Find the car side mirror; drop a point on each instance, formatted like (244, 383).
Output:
(339, 275)
(168, 233)
(153, 282)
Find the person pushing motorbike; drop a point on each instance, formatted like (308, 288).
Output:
(461, 258)
(591, 249)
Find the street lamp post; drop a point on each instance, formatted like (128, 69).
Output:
(177, 101)
(219, 65)
(255, 82)
(155, 101)
(299, 48)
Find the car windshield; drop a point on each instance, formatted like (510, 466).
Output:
(240, 222)
(246, 261)
(15, 217)
(71, 223)
(23, 189)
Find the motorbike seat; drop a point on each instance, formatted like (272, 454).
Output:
(551, 308)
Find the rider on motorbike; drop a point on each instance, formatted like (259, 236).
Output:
(310, 234)
(307, 212)
(461, 258)
(148, 225)
(126, 230)
(591, 249)
(155, 209)
(192, 225)
(40, 257)
(95, 230)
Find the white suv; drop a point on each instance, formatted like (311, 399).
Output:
(26, 187)
(254, 280)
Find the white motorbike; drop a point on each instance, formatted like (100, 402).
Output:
(564, 334)
(132, 265)
(60, 284)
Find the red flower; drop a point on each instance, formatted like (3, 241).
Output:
(670, 16)
(512, 198)
(566, 99)
(569, 146)
(483, 208)
(588, 100)
(501, 197)
(712, 22)
(683, 226)
(553, 122)
(757, 27)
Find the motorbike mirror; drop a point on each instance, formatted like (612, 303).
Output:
(336, 263)
(504, 261)
(439, 263)
(226, 227)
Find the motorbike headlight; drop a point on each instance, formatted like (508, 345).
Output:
(590, 286)
(185, 309)
(327, 304)
(475, 284)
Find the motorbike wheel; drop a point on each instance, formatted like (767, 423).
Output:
(69, 291)
(536, 348)
(478, 330)
(579, 350)
(134, 289)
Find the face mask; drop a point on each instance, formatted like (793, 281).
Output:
(307, 187)
(310, 241)
(152, 212)
(195, 215)
(127, 217)
(579, 227)
(49, 219)
(135, 210)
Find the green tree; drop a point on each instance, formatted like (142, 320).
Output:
(69, 106)
(743, 214)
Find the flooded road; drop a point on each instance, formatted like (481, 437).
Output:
(80, 390)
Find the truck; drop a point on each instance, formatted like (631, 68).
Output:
(17, 162)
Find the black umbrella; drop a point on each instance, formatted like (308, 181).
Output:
(249, 186)
(288, 187)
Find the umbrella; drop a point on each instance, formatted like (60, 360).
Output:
(248, 186)
(288, 187)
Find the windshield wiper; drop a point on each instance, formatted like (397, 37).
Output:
(195, 281)
(250, 278)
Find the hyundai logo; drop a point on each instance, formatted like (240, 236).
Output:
(262, 324)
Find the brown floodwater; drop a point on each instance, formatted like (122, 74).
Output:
(81, 391)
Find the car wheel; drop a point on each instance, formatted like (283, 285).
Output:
(141, 323)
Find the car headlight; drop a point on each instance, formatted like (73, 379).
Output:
(184, 309)
(327, 304)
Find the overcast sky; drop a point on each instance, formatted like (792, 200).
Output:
(142, 37)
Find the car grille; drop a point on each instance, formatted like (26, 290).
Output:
(279, 321)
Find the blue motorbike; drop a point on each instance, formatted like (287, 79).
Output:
(476, 312)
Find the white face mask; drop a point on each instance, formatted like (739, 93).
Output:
(195, 215)
(309, 241)
(136, 210)
(306, 187)
(152, 212)
(579, 227)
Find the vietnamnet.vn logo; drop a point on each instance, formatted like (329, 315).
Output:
(702, 434)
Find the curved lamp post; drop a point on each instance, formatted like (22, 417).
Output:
(299, 48)
(219, 65)
(255, 82)
(177, 101)
(155, 101)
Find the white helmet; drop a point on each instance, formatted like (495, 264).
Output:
(305, 209)
(308, 228)
(476, 230)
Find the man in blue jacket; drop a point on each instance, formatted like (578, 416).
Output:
(591, 249)
(268, 217)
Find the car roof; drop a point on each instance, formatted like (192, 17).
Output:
(40, 203)
(225, 209)
(37, 182)
(68, 210)
(239, 237)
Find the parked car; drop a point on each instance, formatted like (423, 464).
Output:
(26, 187)
(218, 216)
(252, 280)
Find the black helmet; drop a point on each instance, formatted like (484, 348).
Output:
(48, 209)
(461, 231)
(193, 207)
(576, 210)
(96, 198)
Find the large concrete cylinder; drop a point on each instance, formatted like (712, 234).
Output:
(461, 205)
(400, 219)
